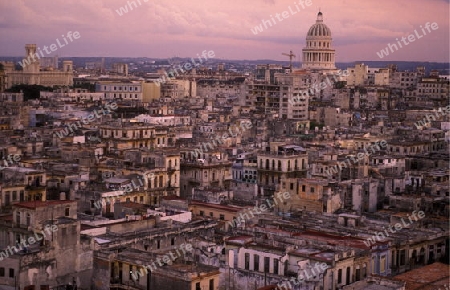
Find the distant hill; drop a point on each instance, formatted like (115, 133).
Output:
(443, 68)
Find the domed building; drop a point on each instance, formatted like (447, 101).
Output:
(318, 53)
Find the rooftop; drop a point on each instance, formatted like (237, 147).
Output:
(38, 203)
(430, 277)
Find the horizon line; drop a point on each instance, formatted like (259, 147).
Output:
(223, 59)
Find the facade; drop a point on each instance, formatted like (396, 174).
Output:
(179, 88)
(245, 176)
(120, 90)
(233, 87)
(130, 91)
(32, 74)
(294, 95)
(132, 136)
(54, 255)
(278, 169)
(204, 172)
(120, 69)
(22, 184)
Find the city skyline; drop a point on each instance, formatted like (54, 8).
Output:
(162, 30)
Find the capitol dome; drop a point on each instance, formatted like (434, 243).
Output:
(319, 29)
(318, 53)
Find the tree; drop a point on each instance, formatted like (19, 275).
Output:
(30, 92)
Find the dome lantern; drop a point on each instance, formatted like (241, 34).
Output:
(319, 17)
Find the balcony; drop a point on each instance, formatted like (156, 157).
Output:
(35, 188)
(193, 181)
(280, 169)
(269, 187)
(171, 169)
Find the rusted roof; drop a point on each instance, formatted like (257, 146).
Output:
(430, 277)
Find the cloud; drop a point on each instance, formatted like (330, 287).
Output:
(160, 28)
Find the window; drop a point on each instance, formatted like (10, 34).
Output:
(202, 213)
(255, 262)
(197, 286)
(222, 217)
(340, 276)
(131, 272)
(28, 219)
(211, 284)
(303, 188)
(292, 186)
(172, 241)
(2, 272)
(312, 189)
(402, 257)
(211, 214)
(11, 273)
(67, 213)
(275, 266)
(382, 264)
(247, 261)
(348, 277)
(266, 264)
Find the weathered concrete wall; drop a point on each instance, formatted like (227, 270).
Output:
(132, 226)
(101, 274)
(167, 283)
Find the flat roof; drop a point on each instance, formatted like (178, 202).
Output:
(38, 203)
(218, 206)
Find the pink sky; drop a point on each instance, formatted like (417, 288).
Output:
(163, 28)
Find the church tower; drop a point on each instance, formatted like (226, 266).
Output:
(33, 57)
